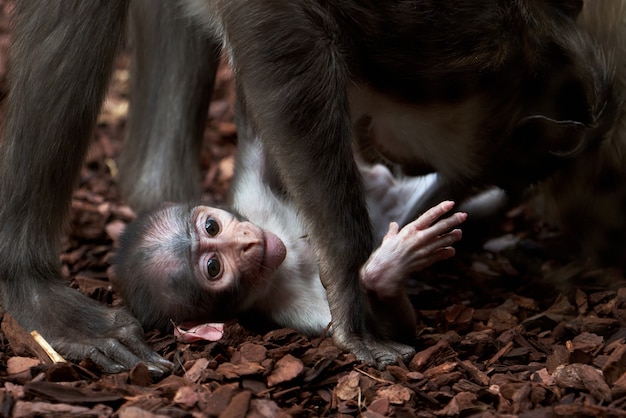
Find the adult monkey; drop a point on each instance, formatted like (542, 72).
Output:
(468, 96)
(499, 96)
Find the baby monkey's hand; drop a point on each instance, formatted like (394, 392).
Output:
(416, 246)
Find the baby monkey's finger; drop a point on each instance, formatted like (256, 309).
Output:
(437, 255)
(441, 241)
(443, 226)
(432, 214)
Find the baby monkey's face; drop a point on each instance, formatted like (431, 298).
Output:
(181, 263)
(226, 250)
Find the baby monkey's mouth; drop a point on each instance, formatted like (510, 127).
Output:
(274, 251)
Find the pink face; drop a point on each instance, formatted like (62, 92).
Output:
(225, 248)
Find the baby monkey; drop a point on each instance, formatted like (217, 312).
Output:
(182, 263)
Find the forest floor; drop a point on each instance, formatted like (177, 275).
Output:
(509, 327)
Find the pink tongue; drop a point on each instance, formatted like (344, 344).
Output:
(275, 251)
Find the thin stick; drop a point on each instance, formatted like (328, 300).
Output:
(377, 379)
(54, 356)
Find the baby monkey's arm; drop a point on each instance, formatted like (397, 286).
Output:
(419, 244)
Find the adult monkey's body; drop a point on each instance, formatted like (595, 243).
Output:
(498, 96)
(480, 91)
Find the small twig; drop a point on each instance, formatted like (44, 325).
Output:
(54, 356)
(378, 379)
(500, 353)
(112, 166)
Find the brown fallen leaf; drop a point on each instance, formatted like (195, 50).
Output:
(379, 406)
(21, 341)
(140, 375)
(234, 371)
(396, 394)
(583, 377)
(253, 352)
(432, 356)
(135, 412)
(615, 366)
(286, 369)
(218, 401)
(19, 364)
(265, 408)
(67, 394)
(18, 368)
(583, 347)
(186, 396)
(348, 386)
(238, 406)
(36, 409)
(195, 372)
(460, 402)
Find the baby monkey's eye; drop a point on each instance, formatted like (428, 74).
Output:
(213, 267)
(212, 227)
